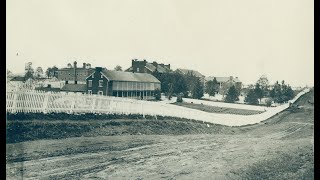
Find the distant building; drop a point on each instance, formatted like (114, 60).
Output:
(146, 67)
(226, 82)
(74, 74)
(73, 78)
(122, 84)
(193, 72)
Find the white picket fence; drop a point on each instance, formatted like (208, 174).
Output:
(47, 102)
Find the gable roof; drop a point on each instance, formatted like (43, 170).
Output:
(74, 87)
(129, 76)
(222, 79)
(194, 72)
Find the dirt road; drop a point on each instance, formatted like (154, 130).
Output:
(279, 148)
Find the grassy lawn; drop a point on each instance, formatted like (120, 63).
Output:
(215, 109)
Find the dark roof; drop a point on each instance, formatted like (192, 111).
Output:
(194, 72)
(74, 87)
(17, 78)
(151, 67)
(47, 89)
(222, 79)
(129, 76)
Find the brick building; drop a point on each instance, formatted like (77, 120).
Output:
(146, 67)
(73, 78)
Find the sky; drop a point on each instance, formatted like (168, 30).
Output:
(244, 39)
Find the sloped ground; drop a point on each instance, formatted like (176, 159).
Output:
(279, 148)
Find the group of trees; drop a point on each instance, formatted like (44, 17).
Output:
(38, 73)
(176, 83)
(212, 87)
(280, 93)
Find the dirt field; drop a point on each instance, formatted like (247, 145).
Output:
(279, 148)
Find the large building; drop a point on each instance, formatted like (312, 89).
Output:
(122, 84)
(74, 74)
(146, 67)
(226, 82)
(73, 78)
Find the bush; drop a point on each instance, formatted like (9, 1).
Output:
(157, 94)
(268, 102)
(179, 97)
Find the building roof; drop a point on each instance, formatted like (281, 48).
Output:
(17, 78)
(151, 67)
(129, 76)
(74, 87)
(194, 72)
(222, 79)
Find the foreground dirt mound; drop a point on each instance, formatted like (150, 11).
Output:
(28, 130)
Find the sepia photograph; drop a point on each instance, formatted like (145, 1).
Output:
(160, 89)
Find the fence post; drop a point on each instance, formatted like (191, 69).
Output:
(73, 101)
(45, 103)
(93, 104)
(14, 102)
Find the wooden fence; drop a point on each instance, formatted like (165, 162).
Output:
(47, 102)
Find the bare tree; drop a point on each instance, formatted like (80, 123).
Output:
(118, 68)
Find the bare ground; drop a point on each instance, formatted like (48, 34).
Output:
(279, 148)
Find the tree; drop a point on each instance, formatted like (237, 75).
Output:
(171, 82)
(197, 91)
(48, 72)
(251, 97)
(264, 85)
(225, 87)
(29, 72)
(212, 87)
(118, 68)
(39, 72)
(258, 92)
(52, 72)
(232, 95)
(281, 93)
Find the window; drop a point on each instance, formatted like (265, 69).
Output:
(92, 75)
(101, 76)
(90, 92)
(100, 93)
(100, 83)
(89, 83)
(137, 69)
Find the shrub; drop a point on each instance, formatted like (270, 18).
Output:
(268, 102)
(179, 97)
(157, 94)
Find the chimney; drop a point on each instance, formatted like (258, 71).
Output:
(84, 65)
(75, 71)
(98, 69)
(169, 66)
